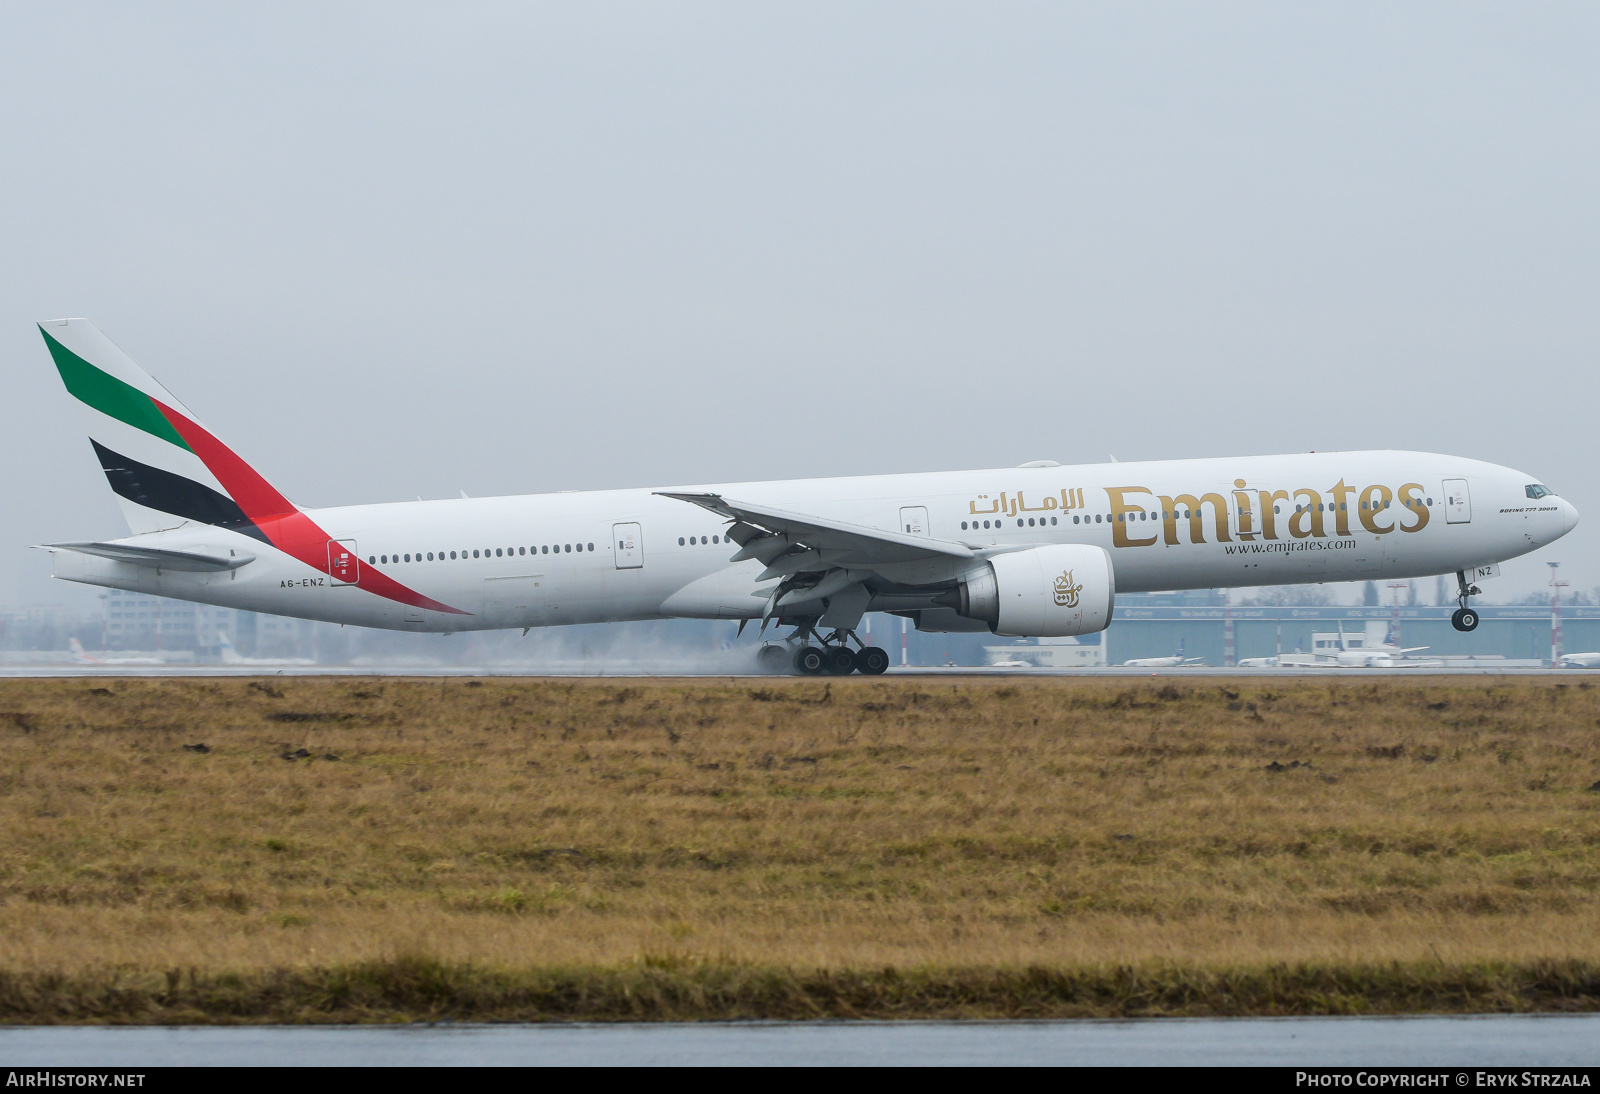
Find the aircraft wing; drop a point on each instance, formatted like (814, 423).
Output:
(162, 558)
(839, 542)
(822, 563)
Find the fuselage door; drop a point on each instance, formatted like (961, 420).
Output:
(629, 545)
(344, 565)
(914, 520)
(1457, 502)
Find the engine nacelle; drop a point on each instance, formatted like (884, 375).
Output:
(1043, 592)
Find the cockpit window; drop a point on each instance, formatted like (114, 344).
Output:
(1535, 491)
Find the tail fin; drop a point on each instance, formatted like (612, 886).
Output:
(164, 466)
(167, 469)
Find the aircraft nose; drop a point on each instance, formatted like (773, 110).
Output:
(1569, 516)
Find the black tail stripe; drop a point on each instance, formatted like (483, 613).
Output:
(169, 493)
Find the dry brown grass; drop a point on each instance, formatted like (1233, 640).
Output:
(797, 825)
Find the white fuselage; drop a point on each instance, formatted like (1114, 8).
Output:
(1166, 525)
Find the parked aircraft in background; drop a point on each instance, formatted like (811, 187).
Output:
(83, 657)
(1175, 661)
(1039, 550)
(1385, 655)
(1579, 661)
(231, 656)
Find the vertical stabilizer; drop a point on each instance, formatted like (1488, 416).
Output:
(164, 466)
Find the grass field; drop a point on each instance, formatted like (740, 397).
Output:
(360, 848)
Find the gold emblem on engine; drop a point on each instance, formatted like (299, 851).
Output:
(1066, 591)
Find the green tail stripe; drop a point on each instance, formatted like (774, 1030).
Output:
(109, 395)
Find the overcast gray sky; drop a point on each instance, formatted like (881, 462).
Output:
(388, 250)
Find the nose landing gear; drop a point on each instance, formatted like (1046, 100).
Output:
(1464, 618)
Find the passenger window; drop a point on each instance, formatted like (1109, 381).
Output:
(569, 548)
(714, 539)
(680, 541)
(591, 546)
(474, 554)
(1074, 520)
(1052, 520)
(963, 526)
(372, 560)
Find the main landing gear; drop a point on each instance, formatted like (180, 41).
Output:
(819, 656)
(1464, 618)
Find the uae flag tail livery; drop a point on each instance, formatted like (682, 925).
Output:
(168, 470)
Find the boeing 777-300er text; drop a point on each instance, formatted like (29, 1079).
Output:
(1038, 550)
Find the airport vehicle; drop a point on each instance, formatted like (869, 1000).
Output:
(1579, 661)
(1037, 550)
(82, 656)
(231, 656)
(1175, 661)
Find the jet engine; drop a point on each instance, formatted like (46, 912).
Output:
(1043, 592)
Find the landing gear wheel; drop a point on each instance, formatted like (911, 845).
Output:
(810, 661)
(773, 659)
(872, 661)
(1464, 619)
(841, 661)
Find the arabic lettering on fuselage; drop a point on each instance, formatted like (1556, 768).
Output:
(1010, 506)
(1255, 513)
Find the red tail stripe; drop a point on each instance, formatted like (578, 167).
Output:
(289, 530)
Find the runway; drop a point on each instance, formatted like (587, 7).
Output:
(1450, 1043)
(649, 669)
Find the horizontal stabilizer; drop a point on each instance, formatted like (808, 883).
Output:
(192, 561)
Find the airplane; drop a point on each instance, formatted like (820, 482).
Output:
(1579, 661)
(1258, 662)
(1039, 550)
(1382, 656)
(231, 656)
(1172, 662)
(83, 657)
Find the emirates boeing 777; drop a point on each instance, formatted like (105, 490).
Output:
(1039, 550)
